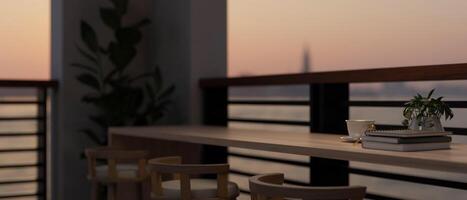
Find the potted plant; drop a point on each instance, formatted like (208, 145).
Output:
(121, 98)
(425, 112)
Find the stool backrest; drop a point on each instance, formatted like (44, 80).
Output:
(113, 157)
(183, 172)
(270, 186)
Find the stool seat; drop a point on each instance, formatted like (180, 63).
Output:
(123, 171)
(271, 186)
(200, 189)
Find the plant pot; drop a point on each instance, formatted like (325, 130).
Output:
(426, 124)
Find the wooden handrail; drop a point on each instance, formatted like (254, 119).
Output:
(29, 83)
(414, 73)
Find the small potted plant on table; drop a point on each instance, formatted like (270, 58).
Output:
(424, 113)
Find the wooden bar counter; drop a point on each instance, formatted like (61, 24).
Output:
(309, 144)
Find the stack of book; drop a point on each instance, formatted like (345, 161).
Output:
(406, 140)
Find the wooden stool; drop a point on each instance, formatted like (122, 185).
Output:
(270, 186)
(121, 166)
(184, 187)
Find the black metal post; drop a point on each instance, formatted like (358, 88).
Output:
(42, 141)
(215, 114)
(329, 108)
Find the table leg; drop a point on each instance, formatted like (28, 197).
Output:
(329, 172)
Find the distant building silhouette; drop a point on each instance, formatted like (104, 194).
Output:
(306, 63)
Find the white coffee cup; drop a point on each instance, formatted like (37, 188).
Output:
(357, 128)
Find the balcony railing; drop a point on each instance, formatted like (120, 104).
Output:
(329, 105)
(23, 138)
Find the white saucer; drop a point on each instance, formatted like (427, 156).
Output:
(348, 139)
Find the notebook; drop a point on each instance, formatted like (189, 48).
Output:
(406, 133)
(407, 140)
(406, 147)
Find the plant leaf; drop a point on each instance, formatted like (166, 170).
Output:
(128, 36)
(99, 120)
(85, 67)
(431, 93)
(159, 109)
(150, 92)
(121, 6)
(109, 76)
(89, 80)
(93, 136)
(142, 23)
(89, 37)
(103, 50)
(91, 98)
(87, 55)
(168, 91)
(110, 17)
(141, 76)
(157, 78)
(121, 55)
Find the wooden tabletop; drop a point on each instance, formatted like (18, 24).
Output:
(310, 144)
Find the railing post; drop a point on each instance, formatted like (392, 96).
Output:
(215, 114)
(42, 141)
(329, 108)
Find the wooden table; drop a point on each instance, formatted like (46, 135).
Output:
(309, 144)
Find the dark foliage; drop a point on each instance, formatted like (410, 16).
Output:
(121, 98)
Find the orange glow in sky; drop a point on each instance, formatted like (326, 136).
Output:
(25, 39)
(269, 36)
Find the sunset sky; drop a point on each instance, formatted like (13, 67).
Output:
(269, 36)
(25, 39)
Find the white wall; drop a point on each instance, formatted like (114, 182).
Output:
(188, 41)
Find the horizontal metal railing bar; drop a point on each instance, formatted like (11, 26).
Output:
(20, 134)
(21, 166)
(452, 104)
(400, 177)
(289, 162)
(21, 181)
(268, 121)
(22, 102)
(29, 83)
(380, 197)
(244, 191)
(13, 150)
(409, 178)
(20, 195)
(457, 131)
(377, 103)
(393, 74)
(270, 102)
(288, 181)
(20, 118)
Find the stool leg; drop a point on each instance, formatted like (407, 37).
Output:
(146, 189)
(141, 190)
(111, 192)
(95, 190)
